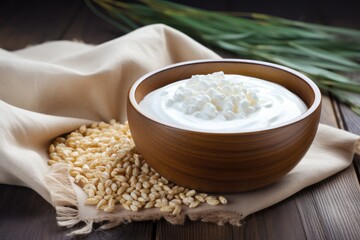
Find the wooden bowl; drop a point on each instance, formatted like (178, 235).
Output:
(224, 162)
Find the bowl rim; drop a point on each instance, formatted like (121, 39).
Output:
(315, 105)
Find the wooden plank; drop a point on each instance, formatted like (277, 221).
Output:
(192, 230)
(89, 28)
(134, 231)
(315, 206)
(308, 211)
(328, 115)
(351, 120)
(352, 124)
(340, 210)
(26, 215)
(337, 111)
(29, 23)
(306, 200)
(280, 221)
(23, 213)
(330, 209)
(253, 227)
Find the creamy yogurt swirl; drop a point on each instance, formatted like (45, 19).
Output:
(221, 102)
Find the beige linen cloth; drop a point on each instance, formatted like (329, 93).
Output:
(53, 88)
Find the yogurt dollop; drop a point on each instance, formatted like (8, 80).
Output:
(221, 102)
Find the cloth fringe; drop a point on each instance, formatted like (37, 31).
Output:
(64, 200)
(217, 217)
(84, 230)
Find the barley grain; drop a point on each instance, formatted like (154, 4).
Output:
(199, 198)
(222, 200)
(149, 205)
(212, 201)
(134, 208)
(166, 208)
(194, 204)
(127, 207)
(176, 210)
(104, 162)
(101, 203)
(91, 201)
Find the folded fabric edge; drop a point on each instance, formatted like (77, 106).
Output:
(64, 200)
(66, 204)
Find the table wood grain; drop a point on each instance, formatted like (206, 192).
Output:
(327, 210)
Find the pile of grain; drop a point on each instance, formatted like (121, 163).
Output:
(105, 164)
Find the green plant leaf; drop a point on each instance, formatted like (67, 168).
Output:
(324, 53)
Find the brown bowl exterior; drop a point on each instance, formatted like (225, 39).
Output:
(225, 162)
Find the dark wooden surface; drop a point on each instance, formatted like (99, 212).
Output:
(327, 210)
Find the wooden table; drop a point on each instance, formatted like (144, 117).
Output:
(327, 210)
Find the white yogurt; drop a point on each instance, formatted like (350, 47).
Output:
(221, 102)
